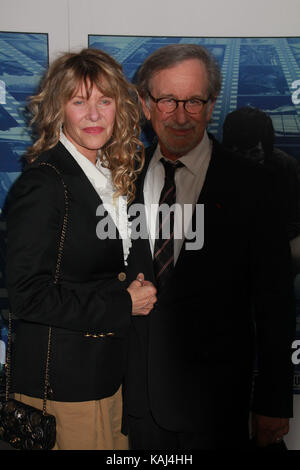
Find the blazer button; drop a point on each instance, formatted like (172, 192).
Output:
(121, 277)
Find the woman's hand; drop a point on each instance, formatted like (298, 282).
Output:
(143, 295)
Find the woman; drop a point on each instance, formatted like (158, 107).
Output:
(86, 156)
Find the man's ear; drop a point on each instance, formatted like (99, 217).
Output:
(145, 107)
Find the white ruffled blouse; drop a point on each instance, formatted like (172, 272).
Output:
(100, 178)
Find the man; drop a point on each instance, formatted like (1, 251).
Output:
(190, 363)
(250, 133)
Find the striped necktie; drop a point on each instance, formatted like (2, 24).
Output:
(164, 242)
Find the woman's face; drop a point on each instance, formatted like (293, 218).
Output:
(89, 122)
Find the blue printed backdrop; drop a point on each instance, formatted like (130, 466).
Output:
(23, 60)
(260, 72)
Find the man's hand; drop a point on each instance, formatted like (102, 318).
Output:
(268, 430)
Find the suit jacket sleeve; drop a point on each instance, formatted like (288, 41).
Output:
(35, 214)
(274, 309)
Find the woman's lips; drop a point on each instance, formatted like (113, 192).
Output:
(93, 130)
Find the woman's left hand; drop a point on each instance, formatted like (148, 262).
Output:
(143, 295)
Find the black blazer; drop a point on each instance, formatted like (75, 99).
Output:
(90, 297)
(191, 360)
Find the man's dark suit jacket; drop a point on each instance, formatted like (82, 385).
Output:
(88, 298)
(191, 360)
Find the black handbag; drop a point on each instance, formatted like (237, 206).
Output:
(22, 426)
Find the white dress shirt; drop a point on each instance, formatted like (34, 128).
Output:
(189, 181)
(100, 178)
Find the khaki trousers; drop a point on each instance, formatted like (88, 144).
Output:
(87, 425)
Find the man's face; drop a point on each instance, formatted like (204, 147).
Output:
(179, 132)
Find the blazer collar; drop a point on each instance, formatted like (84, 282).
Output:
(74, 177)
(213, 175)
(73, 174)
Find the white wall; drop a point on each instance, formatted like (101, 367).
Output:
(68, 23)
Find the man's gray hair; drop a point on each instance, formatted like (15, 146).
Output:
(174, 54)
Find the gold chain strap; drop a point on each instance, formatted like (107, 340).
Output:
(56, 277)
(8, 366)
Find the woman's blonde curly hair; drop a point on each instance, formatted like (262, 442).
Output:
(123, 154)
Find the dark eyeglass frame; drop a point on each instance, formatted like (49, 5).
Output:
(157, 100)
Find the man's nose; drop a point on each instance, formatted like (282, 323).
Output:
(181, 114)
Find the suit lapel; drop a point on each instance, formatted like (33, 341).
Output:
(139, 196)
(142, 246)
(214, 175)
(208, 196)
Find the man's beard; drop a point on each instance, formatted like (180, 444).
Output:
(179, 145)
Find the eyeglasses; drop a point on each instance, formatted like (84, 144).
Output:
(169, 105)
